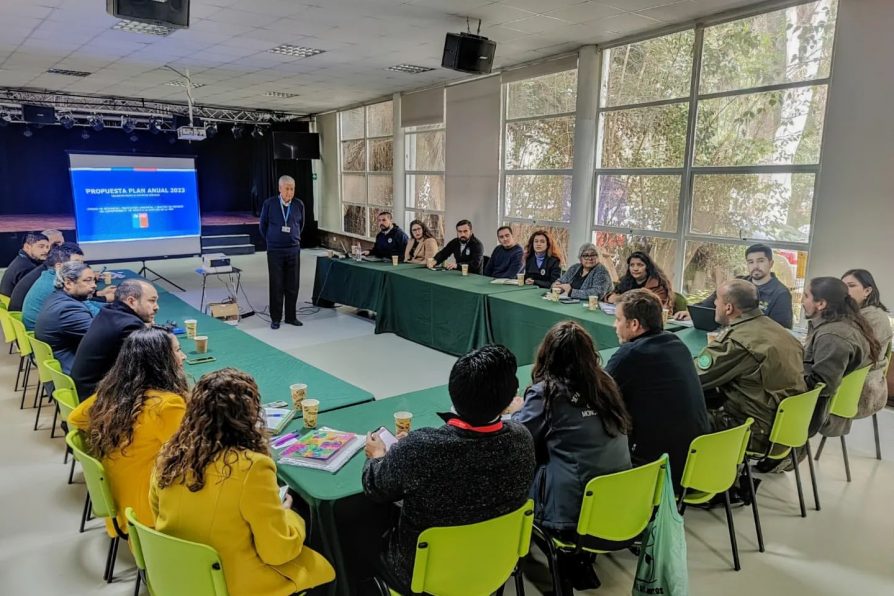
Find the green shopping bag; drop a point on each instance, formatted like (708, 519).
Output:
(662, 561)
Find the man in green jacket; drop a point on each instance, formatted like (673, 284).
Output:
(752, 365)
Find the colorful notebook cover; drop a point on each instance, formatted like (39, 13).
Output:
(319, 444)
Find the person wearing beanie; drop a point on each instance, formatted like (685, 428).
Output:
(483, 463)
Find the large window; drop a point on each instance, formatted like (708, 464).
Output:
(709, 140)
(366, 161)
(425, 179)
(538, 154)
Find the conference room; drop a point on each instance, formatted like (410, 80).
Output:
(289, 290)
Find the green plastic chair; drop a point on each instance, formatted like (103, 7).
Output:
(173, 566)
(789, 433)
(844, 404)
(878, 444)
(712, 468)
(9, 334)
(615, 510)
(474, 559)
(4, 301)
(23, 341)
(60, 380)
(100, 492)
(42, 353)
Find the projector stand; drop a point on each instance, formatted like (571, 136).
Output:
(158, 276)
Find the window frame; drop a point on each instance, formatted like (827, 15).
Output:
(411, 213)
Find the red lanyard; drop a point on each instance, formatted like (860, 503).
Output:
(489, 428)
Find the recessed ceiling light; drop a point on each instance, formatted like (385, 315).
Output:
(146, 28)
(280, 94)
(290, 50)
(182, 83)
(410, 68)
(69, 73)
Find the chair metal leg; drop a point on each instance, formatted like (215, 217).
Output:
(71, 472)
(757, 515)
(113, 556)
(847, 464)
(37, 416)
(519, 581)
(55, 418)
(878, 446)
(794, 456)
(65, 457)
(816, 502)
(136, 588)
(819, 450)
(37, 392)
(732, 531)
(18, 377)
(85, 513)
(27, 377)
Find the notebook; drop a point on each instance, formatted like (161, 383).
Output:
(334, 462)
(278, 418)
(318, 444)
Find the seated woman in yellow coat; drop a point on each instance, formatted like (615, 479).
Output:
(137, 407)
(215, 484)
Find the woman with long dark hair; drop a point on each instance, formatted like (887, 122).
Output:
(138, 405)
(422, 245)
(216, 484)
(543, 259)
(839, 341)
(642, 272)
(862, 288)
(577, 417)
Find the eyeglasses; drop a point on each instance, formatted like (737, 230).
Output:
(589, 255)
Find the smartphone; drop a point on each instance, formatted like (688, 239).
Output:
(283, 491)
(386, 436)
(201, 360)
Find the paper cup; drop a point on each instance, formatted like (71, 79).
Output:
(330, 253)
(430, 262)
(402, 422)
(665, 315)
(299, 392)
(465, 268)
(712, 336)
(107, 278)
(201, 344)
(593, 303)
(310, 408)
(191, 326)
(520, 278)
(394, 260)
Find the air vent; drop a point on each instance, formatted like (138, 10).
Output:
(409, 68)
(145, 28)
(69, 73)
(299, 51)
(182, 83)
(280, 94)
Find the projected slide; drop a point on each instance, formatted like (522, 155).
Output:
(135, 206)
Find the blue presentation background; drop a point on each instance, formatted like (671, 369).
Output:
(93, 226)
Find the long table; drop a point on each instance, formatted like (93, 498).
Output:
(344, 281)
(272, 369)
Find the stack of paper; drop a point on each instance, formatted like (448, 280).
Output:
(278, 418)
(322, 449)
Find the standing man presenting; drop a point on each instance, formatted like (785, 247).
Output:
(282, 220)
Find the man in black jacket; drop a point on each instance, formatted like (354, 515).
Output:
(33, 253)
(135, 305)
(390, 241)
(282, 220)
(658, 381)
(64, 319)
(465, 249)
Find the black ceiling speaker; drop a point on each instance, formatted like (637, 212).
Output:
(470, 53)
(38, 114)
(167, 13)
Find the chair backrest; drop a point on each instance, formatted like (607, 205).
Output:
(617, 507)
(94, 474)
(22, 338)
(475, 559)
(59, 379)
(174, 565)
(792, 422)
(712, 465)
(43, 353)
(67, 401)
(9, 333)
(4, 301)
(847, 398)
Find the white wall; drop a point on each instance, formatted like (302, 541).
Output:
(473, 157)
(854, 224)
(327, 199)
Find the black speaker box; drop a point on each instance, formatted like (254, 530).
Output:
(38, 114)
(468, 53)
(167, 13)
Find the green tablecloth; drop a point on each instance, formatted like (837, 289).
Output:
(272, 369)
(349, 282)
(520, 320)
(440, 309)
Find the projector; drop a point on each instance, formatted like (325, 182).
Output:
(216, 263)
(191, 133)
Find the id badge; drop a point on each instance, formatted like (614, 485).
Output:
(286, 229)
